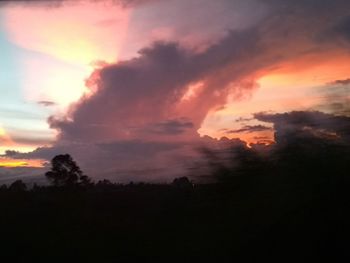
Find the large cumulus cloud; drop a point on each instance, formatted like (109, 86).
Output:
(150, 88)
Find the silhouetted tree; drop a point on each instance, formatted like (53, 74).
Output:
(36, 187)
(104, 182)
(18, 186)
(65, 172)
(182, 182)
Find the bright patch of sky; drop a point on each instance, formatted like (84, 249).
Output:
(18, 114)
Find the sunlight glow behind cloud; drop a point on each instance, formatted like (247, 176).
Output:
(67, 39)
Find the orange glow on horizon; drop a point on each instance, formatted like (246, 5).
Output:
(263, 137)
(12, 163)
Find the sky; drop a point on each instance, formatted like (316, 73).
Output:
(131, 88)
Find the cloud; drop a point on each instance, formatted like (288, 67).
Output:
(305, 149)
(335, 97)
(57, 3)
(242, 119)
(342, 28)
(170, 127)
(11, 153)
(341, 82)
(250, 128)
(135, 116)
(28, 136)
(114, 158)
(51, 3)
(46, 103)
(27, 174)
(148, 89)
(32, 140)
(306, 124)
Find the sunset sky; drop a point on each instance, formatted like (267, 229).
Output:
(132, 87)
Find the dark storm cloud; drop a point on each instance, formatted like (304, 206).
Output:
(341, 82)
(313, 119)
(307, 123)
(343, 28)
(250, 128)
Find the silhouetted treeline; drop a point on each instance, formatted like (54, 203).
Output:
(287, 202)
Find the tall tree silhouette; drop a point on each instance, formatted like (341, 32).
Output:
(18, 186)
(65, 172)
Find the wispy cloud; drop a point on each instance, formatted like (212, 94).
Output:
(251, 128)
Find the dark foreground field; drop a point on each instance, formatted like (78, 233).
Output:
(283, 218)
